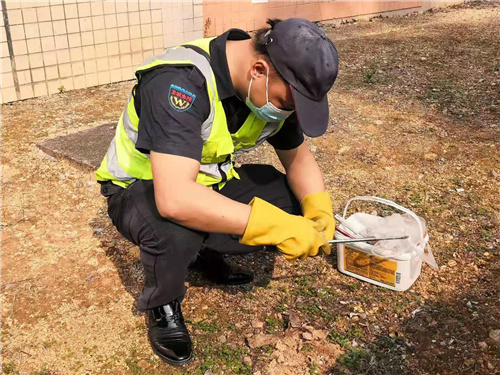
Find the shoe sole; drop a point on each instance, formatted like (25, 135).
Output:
(167, 360)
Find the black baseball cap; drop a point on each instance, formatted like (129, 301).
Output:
(308, 61)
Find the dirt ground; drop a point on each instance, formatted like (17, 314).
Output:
(414, 118)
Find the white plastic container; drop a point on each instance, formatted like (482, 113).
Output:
(361, 261)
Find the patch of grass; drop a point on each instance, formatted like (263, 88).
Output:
(232, 359)
(370, 75)
(210, 327)
(87, 350)
(458, 181)
(9, 368)
(433, 96)
(307, 347)
(312, 310)
(302, 281)
(354, 358)
(344, 339)
(281, 308)
(354, 286)
(274, 325)
(48, 344)
(44, 371)
(268, 349)
(223, 357)
(305, 292)
(385, 356)
(132, 360)
(313, 369)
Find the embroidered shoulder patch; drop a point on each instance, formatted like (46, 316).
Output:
(180, 99)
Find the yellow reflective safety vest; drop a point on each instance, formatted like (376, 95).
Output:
(123, 163)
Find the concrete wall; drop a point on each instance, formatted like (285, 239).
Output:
(64, 45)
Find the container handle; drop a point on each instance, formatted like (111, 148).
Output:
(388, 203)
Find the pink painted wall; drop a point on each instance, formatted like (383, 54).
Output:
(221, 15)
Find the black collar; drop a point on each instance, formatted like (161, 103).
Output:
(218, 61)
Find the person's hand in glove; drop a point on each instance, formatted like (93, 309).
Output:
(318, 208)
(295, 236)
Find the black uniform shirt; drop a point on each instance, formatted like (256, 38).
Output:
(172, 127)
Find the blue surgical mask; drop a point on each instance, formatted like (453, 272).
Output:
(268, 112)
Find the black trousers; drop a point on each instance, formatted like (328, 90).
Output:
(168, 248)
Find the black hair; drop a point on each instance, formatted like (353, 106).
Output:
(260, 39)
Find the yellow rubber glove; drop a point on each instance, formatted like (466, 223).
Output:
(295, 236)
(318, 208)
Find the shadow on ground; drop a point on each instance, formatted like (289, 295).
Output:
(126, 258)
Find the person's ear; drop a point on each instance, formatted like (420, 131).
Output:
(259, 68)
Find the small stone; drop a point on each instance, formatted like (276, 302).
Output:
(482, 345)
(460, 190)
(247, 360)
(430, 156)
(423, 58)
(344, 149)
(469, 362)
(469, 304)
(378, 122)
(309, 328)
(257, 324)
(222, 339)
(494, 174)
(452, 263)
(319, 334)
(260, 340)
(307, 336)
(490, 366)
(495, 335)
(371, 129)
(294, 319)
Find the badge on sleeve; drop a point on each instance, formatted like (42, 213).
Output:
(180, 99)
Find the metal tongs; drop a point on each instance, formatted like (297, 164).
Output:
(358, 237)
(367, 239)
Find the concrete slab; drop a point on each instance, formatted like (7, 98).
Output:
(84, 149)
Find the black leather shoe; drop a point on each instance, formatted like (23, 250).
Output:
(168, 334)
(217, 270)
